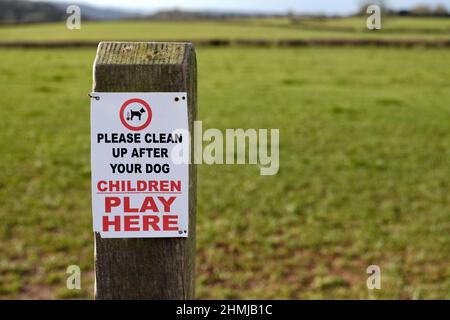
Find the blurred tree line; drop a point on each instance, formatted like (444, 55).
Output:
(23, 11)
(18, 11)
(420, 10)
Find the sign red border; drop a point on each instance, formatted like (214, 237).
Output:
(147, 108)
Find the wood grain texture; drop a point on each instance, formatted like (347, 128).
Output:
(150, 268)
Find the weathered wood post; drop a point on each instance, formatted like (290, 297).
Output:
(148, 268)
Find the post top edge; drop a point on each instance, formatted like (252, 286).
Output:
(154, 43)
(142, 53)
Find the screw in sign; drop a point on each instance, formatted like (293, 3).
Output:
(135, 114)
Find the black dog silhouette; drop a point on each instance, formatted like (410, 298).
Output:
(137, 113)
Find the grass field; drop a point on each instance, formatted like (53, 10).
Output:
(364, 173)
(393, 28)
(390, 24)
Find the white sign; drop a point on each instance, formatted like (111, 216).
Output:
(137, 189)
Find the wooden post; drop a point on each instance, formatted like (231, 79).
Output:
(150, 268)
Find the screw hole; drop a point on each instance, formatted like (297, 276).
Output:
(176, 98)
(93, 97)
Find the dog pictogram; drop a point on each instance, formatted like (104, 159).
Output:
(137, 113)
(131, 114)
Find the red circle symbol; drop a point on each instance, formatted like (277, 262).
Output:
(147, 108)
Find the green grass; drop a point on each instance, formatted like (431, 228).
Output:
(389, 23)
(394, 28)
(364, 173)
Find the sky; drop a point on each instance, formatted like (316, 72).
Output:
(301, 6)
